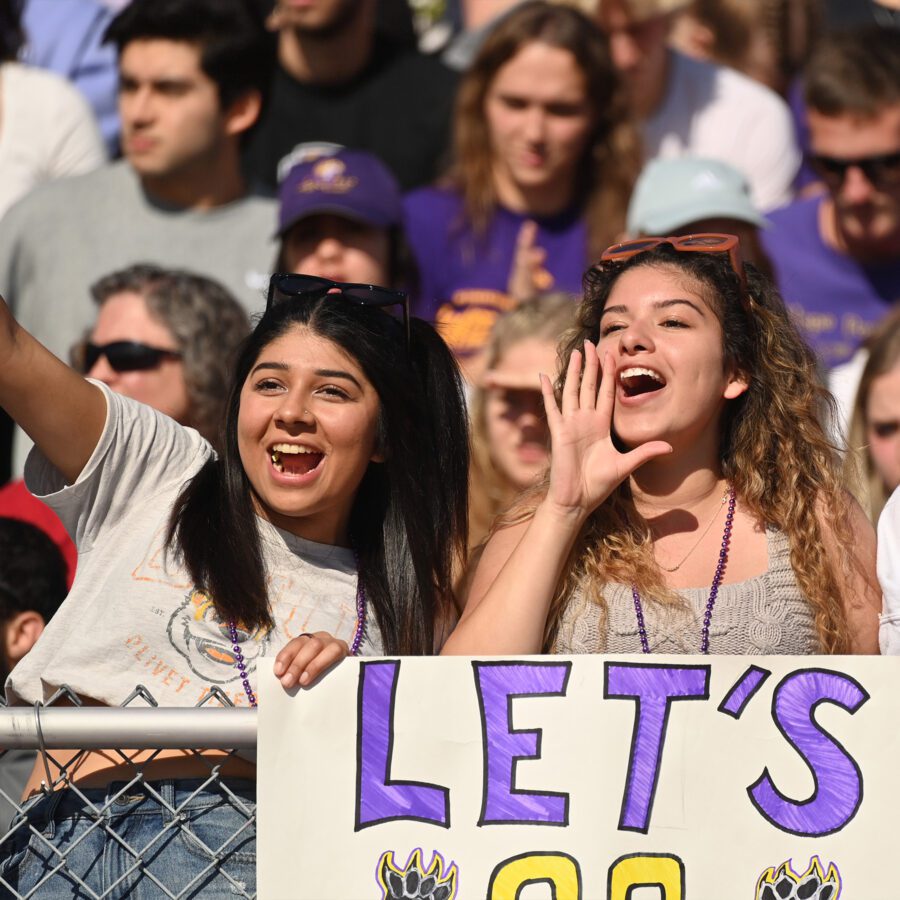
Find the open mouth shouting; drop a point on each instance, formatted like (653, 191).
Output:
(295, 460)
(638, 381)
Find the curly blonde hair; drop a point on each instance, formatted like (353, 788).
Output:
(773, 447)
(612, 159)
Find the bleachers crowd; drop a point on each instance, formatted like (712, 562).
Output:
(454, 326)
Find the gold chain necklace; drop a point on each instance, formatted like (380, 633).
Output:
(705, 532)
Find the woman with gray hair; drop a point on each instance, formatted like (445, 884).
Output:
(165, 337)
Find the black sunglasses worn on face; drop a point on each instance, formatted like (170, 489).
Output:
(283, 286)
(127, 356)
(880, 170)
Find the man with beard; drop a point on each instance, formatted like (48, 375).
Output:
(339, 81)
(837, 255)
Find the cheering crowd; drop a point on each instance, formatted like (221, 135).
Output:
(353, 327)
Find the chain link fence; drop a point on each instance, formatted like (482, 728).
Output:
(136, 837)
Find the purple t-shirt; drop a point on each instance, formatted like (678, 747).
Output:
(836, 299)
(463, 276)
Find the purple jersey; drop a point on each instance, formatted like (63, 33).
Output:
(464, 276)
(837, 300)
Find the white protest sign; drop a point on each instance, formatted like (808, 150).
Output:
(582, 778)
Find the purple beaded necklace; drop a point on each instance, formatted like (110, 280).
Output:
(241, 665)
(713, 591)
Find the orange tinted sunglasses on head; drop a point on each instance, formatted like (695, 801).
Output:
(690, 243)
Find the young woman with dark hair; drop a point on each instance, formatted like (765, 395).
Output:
(694, 502)
(328, 525)
(406, 520)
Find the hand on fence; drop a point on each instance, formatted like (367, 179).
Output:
(302, 660)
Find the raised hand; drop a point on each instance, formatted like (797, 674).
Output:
(527, 276)
(62, 413)
(585, 464)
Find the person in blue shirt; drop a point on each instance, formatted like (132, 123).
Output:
(67, 38)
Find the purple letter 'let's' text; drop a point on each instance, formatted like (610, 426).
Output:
(497, 685)
(378, 797)
(653, 687)
(838, 780)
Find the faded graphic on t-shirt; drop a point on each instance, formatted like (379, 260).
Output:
(197, 632)
(134, 615)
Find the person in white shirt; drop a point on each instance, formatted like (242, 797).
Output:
(693, 108)
(47, 129)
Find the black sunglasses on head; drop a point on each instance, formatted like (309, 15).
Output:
(880, 170)
(127, 356)
(284, 286)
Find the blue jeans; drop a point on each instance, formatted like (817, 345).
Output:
(195, 843)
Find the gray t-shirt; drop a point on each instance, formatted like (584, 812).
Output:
(719, 113)
(133, 616)
(65, 235)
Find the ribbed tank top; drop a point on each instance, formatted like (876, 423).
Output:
(766, 615)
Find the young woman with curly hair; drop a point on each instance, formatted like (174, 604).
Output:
(694, 502)
(545, 157)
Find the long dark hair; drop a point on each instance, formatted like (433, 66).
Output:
(12, 37)
(409, 516)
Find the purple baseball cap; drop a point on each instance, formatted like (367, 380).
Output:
(350, 183)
